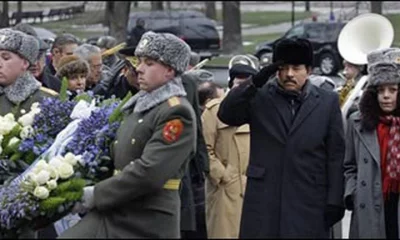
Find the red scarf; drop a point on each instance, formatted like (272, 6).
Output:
(389, 142)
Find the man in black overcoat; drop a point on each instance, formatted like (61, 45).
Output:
(295, 174)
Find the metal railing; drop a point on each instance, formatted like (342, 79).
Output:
(52, 14)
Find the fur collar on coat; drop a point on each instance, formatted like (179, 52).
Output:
(143, 100)
(21, 89)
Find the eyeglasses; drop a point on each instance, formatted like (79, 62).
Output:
(98, 66)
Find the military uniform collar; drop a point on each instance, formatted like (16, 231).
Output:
(21, 89)
(143, 101)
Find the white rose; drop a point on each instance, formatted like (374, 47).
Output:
(31, 177)
(43, 177)
(56, 161)
(65, 170)
(27, 131)
(23, 111)
(53, 172)
(40, 165)
(52, 184)
(41, 192)
(13, 141)
(26, 120)
(6, 127)
(70, 158)
(9, 117)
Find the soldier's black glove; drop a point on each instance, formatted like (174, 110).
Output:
(264, 74)
(333, 214)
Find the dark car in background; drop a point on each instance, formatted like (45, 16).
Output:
(323, 37)
(198, 31)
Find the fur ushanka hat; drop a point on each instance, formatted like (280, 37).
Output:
(293, 51)
(166, 48)
(384, 66)
(24, 45)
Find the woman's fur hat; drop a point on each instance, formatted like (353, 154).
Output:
(384, 66)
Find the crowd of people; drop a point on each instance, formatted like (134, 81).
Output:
(269, 157)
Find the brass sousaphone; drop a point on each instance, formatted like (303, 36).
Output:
(360, 36)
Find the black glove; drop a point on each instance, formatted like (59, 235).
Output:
(264, 74)
(333, 214)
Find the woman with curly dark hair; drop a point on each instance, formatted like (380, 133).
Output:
(76, 70)
(372, 161)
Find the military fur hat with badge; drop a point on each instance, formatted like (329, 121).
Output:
(165, 48)
(28, 29)
(24, 45)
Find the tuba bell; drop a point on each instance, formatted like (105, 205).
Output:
(246, 60)
(360, 36)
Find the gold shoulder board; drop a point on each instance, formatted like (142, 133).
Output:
(174, 101)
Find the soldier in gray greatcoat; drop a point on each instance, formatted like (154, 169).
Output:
(153, 146)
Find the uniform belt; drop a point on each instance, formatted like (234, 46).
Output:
(171, 184)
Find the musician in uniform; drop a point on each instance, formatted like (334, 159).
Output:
(352, 73)
(152, 149)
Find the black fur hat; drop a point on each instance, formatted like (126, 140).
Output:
(293, 51)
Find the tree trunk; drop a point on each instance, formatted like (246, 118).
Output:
(169, 5)
(4, 20)
(118, 20)
(211, 11)
(19, 11)
(293, 13)
(307, 5)
(155, 6)
(232, 31)
(108, 11)
(376, 7)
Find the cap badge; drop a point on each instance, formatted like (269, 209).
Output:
(3, 38)
(143, 43)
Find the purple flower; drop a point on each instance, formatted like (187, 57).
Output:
(92, 139)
